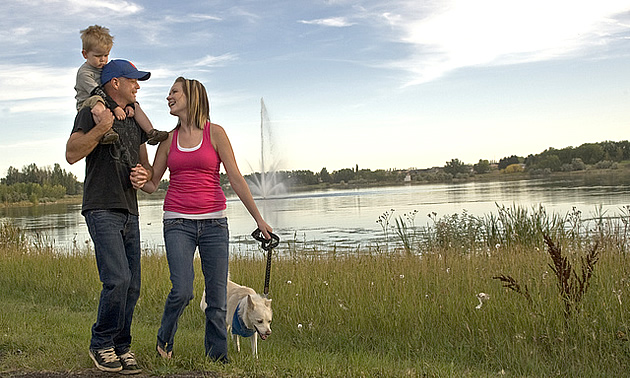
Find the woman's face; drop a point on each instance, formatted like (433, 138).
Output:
(177, 100)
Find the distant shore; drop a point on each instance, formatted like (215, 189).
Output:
(619, 176)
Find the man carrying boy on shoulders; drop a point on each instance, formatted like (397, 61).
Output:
(113, 173)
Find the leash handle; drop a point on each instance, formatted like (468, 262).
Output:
(268, 245)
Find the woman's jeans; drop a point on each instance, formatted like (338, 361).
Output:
(116, 237)
(182, 237)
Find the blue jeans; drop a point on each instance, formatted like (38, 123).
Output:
(116, 237)
(182, 237)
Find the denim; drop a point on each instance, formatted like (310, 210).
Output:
(182, 237)
(116, 237)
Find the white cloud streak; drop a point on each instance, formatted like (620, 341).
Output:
(34, 82)
(464, 33)
(213, 61)
(117, 6)
(337, 22)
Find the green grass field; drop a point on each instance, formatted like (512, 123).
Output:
(401, 309)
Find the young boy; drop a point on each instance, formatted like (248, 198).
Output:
(97, 42)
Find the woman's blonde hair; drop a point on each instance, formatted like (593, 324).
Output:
(196, 102)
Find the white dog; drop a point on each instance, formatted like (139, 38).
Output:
(248, 314)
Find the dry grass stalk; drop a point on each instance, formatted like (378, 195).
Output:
(572, 286)
(511, 283)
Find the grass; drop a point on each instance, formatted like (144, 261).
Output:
(394, 310)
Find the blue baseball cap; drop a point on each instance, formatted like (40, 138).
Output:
(122, 68)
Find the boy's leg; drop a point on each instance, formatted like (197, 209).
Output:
(92, 101)
(155, 136)
(95, 102)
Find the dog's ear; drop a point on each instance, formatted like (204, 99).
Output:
(250, 301)
(268, 302)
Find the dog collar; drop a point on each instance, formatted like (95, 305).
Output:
(238, 325)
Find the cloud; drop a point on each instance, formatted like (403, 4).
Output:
(211, 61)
(204, 17)
(337, 22)
(29, 82)
(465, 33)
(117, 6)
(193, 17)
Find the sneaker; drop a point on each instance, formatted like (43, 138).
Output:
(109, 137)
(106, 360)
(156, 136)
(129, 364)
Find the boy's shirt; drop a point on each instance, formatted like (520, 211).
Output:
(89, 84)
(88, 78)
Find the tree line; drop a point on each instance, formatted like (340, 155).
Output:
(602, 155)
(36, 184)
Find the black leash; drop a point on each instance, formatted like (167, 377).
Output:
(267, 245)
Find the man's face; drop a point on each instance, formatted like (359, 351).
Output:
(127, 88)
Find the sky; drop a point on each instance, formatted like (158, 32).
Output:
(391, 84)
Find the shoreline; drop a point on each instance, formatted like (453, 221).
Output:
(619, 176)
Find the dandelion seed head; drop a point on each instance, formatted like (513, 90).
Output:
(482, 297)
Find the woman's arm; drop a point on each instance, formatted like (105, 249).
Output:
(159, 166)
(143, 171)
(222, 145)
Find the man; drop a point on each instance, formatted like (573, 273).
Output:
(110, 207)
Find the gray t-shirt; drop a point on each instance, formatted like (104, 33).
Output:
(88, 78)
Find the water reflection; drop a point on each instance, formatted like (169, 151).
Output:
(344, 218)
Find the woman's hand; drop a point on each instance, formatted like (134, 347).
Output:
(139, 176)
(265, 229)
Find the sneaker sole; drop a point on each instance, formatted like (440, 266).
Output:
(104, 368)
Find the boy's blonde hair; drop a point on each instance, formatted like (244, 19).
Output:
(96, 36)
(196, 101)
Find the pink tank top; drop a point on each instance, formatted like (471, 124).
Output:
(194, 186)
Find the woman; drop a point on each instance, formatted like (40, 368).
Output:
(194, 213)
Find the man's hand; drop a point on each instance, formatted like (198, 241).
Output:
(97, 112)
(106, 118)
(139, 176)
(80, 144)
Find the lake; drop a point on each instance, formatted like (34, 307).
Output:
(342, 218)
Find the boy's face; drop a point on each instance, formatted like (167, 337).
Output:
(96, 57)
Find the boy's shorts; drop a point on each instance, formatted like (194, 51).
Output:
(91, 101)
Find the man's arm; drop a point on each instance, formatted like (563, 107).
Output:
(80, 143)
